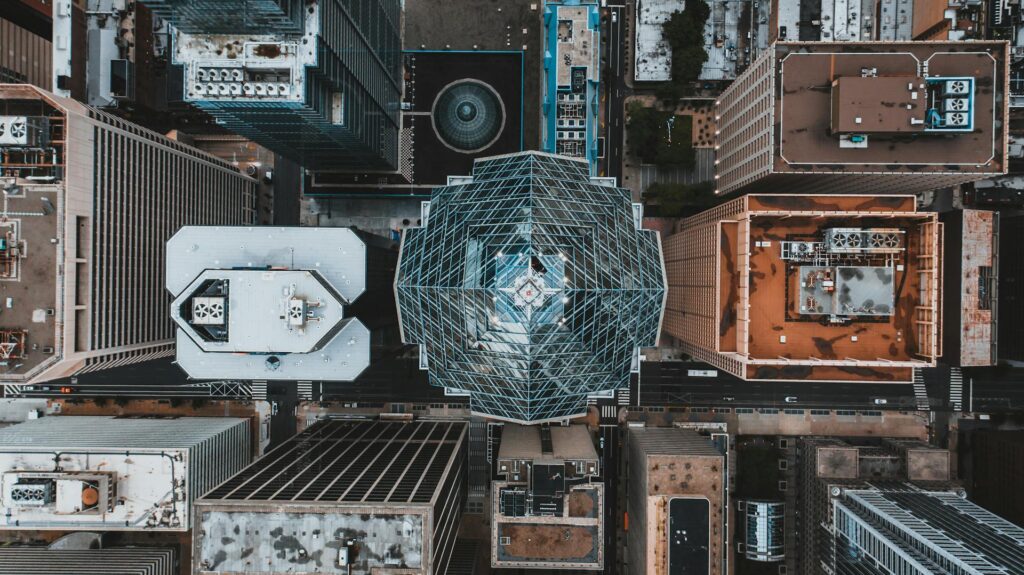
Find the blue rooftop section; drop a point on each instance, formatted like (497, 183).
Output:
(950, 104)
(571, 79)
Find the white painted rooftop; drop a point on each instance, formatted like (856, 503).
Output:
(279, 312)
(652, 54)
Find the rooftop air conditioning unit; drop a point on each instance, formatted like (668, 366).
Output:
(208, 311)
(955, 105)
(956, 87)
(956, 119)
(23, 131)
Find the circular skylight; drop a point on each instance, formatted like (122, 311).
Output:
(468, 115)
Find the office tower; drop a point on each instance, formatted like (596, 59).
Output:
(343, 496)
(25, 51)
(317, 81)
(530, 286)
(111, 54)
(111, 561)
(971, 283)
(828, 466)
(996, 471)
(572, 75)
(547, 509)
(268, 303)
(90, 202)
(856, 117)
(764, 528)
(677, 502)
(907, 530)
(1011, 288)
(115, 473)
(819, 287)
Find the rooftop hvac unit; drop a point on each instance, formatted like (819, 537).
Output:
(955, 105)
(66, 493)
(208, 310)
(957, 119)
(884, 240)
(24, 131)
(29, 494)
(956, 87)
(296, 311)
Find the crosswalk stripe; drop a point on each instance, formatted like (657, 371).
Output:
(259, 390)
(920, 391)
(956, 389)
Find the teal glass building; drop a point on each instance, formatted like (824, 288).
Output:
(318, 81)
(530, 286)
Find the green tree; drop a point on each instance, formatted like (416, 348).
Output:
(684, 33)
(674, 199)
(649, 132)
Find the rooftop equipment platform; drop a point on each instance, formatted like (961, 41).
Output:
(268, 303)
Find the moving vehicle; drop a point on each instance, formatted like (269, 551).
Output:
(881, 401)
(790, 399)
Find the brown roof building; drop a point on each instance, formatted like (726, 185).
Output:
(808, 287)
(677, 503)
(864, 116)
(548, 506)
(89, 202)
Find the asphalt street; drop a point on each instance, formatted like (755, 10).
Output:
(613, 507)
(665, 383)
(993, 389)
(615, 91)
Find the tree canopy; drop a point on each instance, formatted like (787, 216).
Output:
(684, 32)
(649, 132)
(674, 199)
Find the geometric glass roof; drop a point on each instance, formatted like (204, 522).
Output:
(530, 286)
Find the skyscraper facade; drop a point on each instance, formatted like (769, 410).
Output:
(90, 202)
(317, 81)
(892, 530)
(530, 286)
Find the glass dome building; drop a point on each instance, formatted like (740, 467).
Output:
(468, 115)
(530, 287)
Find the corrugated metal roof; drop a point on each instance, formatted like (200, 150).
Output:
(342, 461)
(43, 561)
(672, 441)
(83, 431)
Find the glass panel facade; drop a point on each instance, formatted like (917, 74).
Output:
(908, 531)
(530, 286)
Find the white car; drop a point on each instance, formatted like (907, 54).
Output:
(790, 399)
(881, 401)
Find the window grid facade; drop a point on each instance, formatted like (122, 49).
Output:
(121, 192)
(357, 57)
(907, 531)
(462, 280)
